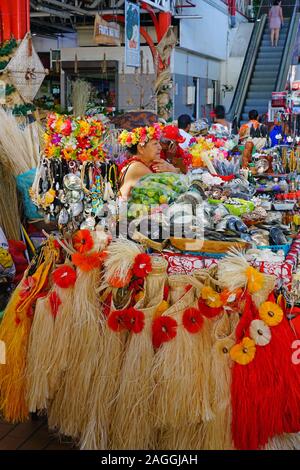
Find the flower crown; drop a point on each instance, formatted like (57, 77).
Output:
(140, 135)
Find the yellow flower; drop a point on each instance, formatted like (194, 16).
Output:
(84, 128)
(255, 280)
(211, 297)
(163, 307)
(243, 352)
(270, 313)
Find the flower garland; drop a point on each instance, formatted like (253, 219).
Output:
(140, 135)
(74, 138)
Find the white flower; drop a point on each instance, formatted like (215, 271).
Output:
(278, 136)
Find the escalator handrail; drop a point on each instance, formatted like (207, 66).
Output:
(247, 69)
(288, 49)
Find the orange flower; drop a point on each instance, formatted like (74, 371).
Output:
(270, 313)
(243, 352)
(88, 262)
(83, 241)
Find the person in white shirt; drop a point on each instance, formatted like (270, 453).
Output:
(184, 125)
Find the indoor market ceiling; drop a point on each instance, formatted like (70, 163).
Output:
(58, 17)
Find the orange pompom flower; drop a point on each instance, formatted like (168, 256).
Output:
(88, 262)
(83, 241)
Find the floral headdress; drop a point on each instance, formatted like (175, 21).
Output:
(140, 135)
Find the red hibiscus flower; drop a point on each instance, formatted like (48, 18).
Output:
(117, 320)
(64, 276)
(55, 302)
(192, 320)
(134, 320)
(67, 127)
(27, 287)
(142, 265)
(208, 312)
(163, 329)
(83, 142)
(83, 241)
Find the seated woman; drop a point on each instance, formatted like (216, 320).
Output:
(144, 147)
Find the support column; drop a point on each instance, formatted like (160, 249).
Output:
(5, 20)
(19, 12)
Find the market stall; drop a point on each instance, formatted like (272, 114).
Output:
(148, 337)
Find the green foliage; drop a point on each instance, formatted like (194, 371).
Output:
(23, 109)
(8, 47)
(3, 64)
(9, 89)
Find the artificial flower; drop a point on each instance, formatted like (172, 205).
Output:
(87, 262)
(163, 307)
(117, 320)
(208, 312)
(244, 352)
(140, 135)
(64, 276)
(192, 320)
(134, 320)
(83, 241)
(164, 329)
(270, 313)
(142, 265)
(27, 287)
(255, 280)
(55, 302)
(211, 297)
(260, 332)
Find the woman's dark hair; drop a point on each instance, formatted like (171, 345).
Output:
(276, 2)
(253, 114)
(132, 150)
(220, 112)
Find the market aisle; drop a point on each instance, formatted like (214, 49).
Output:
(32, 435)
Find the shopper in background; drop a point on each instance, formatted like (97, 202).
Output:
(253, 130)
(220, 121)
(172, 152)
(184, 126)
(275, 21)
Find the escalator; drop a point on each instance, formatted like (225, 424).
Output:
(265, 68)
